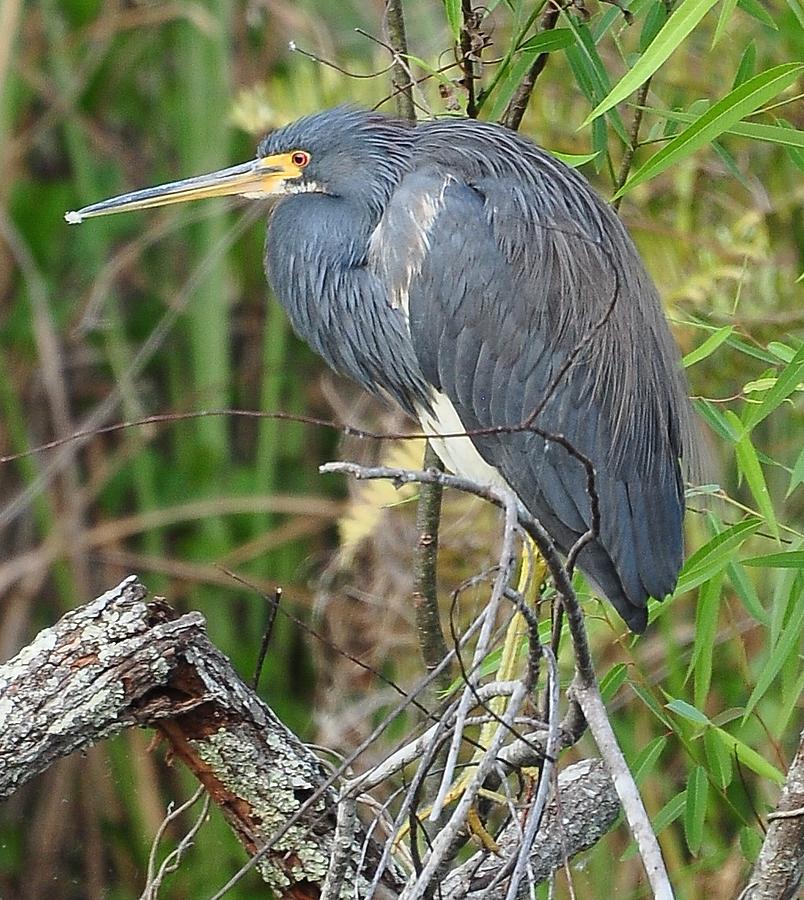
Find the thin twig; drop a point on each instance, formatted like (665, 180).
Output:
(428, 514)
(272, 605)
(514, 112)
(585, 691)
(470, 21)
(534, 815)
(444, 840)
(507, 500)
(173, 859)
(342, 852)
(400, 78)
(594, 710)
(633, 140)
(432, 644)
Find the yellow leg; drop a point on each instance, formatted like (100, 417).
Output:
(529, 586)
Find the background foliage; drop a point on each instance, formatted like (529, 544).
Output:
(168, 313)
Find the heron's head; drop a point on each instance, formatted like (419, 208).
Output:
(343, 152)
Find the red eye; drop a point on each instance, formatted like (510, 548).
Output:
(300, 158)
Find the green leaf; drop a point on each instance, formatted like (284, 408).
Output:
(688, 14)
(665, 817)
(649, 700)
(787, 643)
(768, 134)
(748, 757)
(547, 41)
(786, 383)
(654, 21)
(695, 808)
(719, 759)
(688, 711)
(708, 346)
(647, 757)
(758, 386)
(797, 476)
(670, 812)
(790, 705)
(752, 350)
(746, 592)
(591, 74)
(714, 555)
(707, 610)
(454, 18)
(713, 416)
(792, 559)
(574, 160)
(731, 165)
(613, 681)
(748, 463)
(746, 66)
(750, 843)
(726, 12)
(510, 83)
(798, 10)
(728, 715)
(787, 595)
(758, 12)
(736, 105)
(783, 351)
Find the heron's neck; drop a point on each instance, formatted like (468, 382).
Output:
(315, 260)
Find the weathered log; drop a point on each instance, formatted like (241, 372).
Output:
(123, 661)
(120, 661)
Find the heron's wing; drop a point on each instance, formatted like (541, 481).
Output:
(503, 311)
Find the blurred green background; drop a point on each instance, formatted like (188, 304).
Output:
(169, 312)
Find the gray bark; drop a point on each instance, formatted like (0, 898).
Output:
(778, 870)
(122, 660)
(585, 811)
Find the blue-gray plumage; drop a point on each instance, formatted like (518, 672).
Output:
(457, 256)
(456, 268)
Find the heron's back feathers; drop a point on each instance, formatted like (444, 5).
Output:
(524, 310)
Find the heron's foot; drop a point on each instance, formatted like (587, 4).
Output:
(474, 823)
(478, 830)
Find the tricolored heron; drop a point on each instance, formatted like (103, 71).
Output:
(466, 274)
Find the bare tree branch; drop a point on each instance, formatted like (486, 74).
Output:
(514, 112)
(584, 691)
(779, 868)
(401, 82)
(583, 812)
(122, 660)
(425, 566)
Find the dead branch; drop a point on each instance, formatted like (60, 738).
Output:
(125, 660)
(584, 690)
(779, 868)
(587, 800)
(120, 661)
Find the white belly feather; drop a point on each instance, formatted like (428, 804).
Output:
(457, 453)
(414, 213)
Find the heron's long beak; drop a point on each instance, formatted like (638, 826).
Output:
(258, 178)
